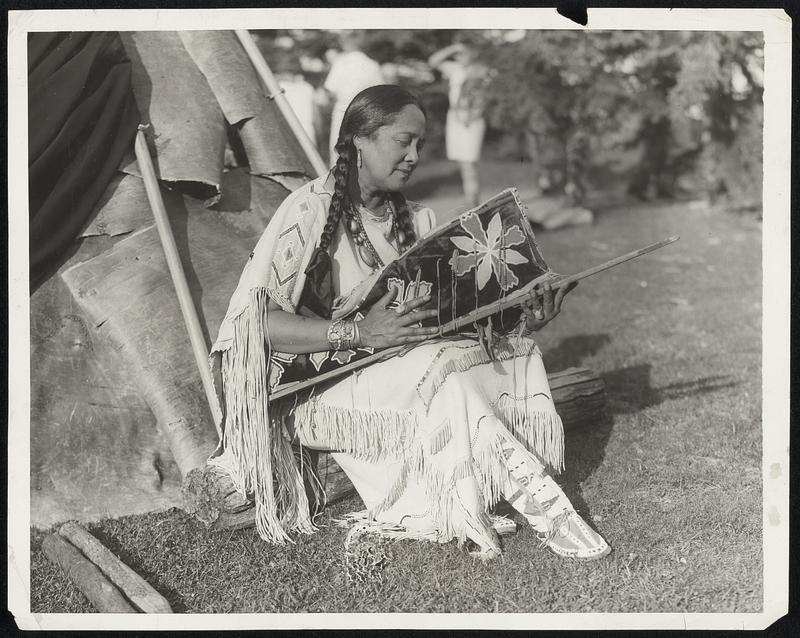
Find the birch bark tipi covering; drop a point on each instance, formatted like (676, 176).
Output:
(114, 388)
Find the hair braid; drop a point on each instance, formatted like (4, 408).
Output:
(340, 201)
(403, 219)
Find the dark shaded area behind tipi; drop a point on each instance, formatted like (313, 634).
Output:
(82, 118)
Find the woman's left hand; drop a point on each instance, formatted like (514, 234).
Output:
(541, 309)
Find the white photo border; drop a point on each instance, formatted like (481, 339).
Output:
(776, 27)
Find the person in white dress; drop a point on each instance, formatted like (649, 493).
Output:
(433, 439)
(465, 127)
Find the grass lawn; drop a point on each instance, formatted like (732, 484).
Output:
(672, 479)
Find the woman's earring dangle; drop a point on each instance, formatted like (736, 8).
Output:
(360, 161)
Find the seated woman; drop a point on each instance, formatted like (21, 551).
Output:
(432, 439)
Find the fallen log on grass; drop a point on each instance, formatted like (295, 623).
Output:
(136, 588)
(209, 495)
(86, 575)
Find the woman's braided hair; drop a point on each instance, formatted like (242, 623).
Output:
(371, 109)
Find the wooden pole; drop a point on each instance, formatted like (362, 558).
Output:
(136, 588)
(514, 299)
(276, 93)
(87, 577)
(188, 310)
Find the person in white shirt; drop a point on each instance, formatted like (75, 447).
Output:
(351, 71)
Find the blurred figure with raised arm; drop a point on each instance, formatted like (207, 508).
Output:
(465, 127)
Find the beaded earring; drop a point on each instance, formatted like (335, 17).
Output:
(360, 162)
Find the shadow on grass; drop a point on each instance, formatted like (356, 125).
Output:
(571, 352)
(628, 391)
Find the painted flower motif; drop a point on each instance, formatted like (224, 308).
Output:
(318, 358)
(341, 357)
(407, 292)
(488, 251)
(277, 366)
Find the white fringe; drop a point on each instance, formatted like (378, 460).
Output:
(503, 351)
(441, 437)
(365, 523)
(259, 457)
(541, 431)
(371, 435)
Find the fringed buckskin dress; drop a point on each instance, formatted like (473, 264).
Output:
(431, 440)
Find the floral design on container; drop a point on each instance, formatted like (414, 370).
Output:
(488, 251)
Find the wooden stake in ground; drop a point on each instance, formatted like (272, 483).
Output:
(136, 588)
(87, 576)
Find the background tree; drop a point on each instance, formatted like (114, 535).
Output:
(659, 114)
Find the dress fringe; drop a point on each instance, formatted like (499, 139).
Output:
(259, 456)
(441, 437)
(504, 350)
(541, 431)
(371, 435)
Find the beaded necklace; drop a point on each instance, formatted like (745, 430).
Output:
(369, 255)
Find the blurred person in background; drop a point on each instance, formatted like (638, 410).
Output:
(299, 93)
(351, 71)
(465, 128)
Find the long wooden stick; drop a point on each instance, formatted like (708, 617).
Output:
(136, 588)
(199, 347)
(514, 299)
(282, 103)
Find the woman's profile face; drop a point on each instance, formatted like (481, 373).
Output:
(390, 155)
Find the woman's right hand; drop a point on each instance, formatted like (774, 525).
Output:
(385, 327)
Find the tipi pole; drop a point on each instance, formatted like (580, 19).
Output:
(276, 92)
(188, 310)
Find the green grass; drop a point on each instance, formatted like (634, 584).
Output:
(672, 479)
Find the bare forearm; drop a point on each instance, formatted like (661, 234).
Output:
(442, 54)
(297, 334)
(382, 327)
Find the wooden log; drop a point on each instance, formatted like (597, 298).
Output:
(578, 393)
(87, 577)
(136, 588)
(209, 496)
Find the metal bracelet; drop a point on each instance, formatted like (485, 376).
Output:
(335, 334)
(342, 334)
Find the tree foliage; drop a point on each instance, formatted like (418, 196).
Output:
(663, 111)
(685, 101)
